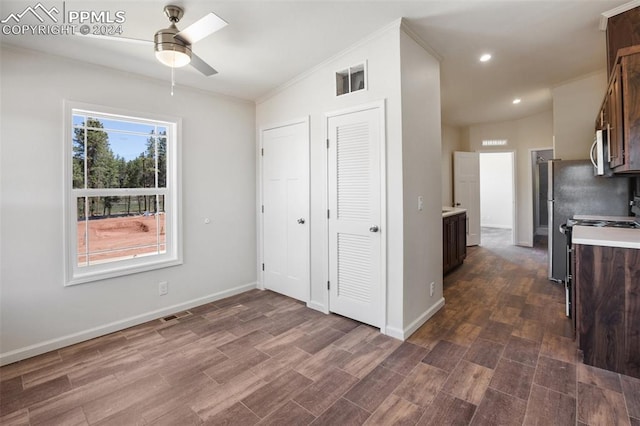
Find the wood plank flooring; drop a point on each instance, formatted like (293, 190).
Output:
(499, 353)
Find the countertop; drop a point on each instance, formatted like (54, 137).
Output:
(608, 237)
(451, 211)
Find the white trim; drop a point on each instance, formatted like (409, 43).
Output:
(260, 196)
(381, 106)
(416, 324)
(91, 333)
(406, 28)
(173, 191)
(604, 17)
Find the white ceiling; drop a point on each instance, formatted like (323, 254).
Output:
(535, 45)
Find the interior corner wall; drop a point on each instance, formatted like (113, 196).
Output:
(575, 108)
(422, 177)
(38, 313)
(523, 135)
(314, 95)
(452, 140)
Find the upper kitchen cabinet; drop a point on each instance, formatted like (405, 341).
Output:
(623, 30)
(620, 114)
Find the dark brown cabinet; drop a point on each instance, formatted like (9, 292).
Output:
(607, 284)
(620, 112)
(623, 30)
(454, 241)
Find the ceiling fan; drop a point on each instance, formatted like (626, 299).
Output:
(173, 47)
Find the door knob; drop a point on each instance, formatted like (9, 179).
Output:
(374, 228)
(301, 221)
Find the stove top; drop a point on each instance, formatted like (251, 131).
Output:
(604, 223)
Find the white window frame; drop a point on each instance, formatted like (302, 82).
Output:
(173, 201)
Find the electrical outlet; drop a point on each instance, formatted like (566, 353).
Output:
(432, 288)
(163, 288)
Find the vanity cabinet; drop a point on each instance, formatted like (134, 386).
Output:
(607, 284)
(454, 241)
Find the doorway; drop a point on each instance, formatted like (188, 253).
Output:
(540, 179)
(497, 196)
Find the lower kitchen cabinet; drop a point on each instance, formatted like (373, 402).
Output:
(607, 283)
(454, 241)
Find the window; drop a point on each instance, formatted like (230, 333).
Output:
(351, 79)
(121, 181)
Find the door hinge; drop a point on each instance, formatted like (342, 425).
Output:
(327, 143)
(327, 213)
(262, 151)
(262, 208)
(263, 266)
(328, 285)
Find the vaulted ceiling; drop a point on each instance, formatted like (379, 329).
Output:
(535, 45)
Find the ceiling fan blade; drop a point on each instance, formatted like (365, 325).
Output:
(116, 38)
(208, 24)
(201, 65)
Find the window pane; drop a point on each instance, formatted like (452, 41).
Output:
(112, 234)
(78, 120)
(78, 158)
(127, 126)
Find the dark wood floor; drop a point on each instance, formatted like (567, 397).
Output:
(499, 353)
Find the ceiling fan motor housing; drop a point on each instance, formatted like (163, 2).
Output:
(169, 49)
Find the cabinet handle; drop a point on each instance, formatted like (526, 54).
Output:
(609, 141)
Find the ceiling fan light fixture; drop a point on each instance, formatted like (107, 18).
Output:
(174, 58)
(170, 50)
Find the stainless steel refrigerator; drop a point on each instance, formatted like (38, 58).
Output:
(574, 190)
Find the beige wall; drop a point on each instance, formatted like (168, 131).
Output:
(453, 139)
(575, 107)
(523, 135)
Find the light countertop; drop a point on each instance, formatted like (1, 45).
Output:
(608, 237)
(451, 211)
(613, 218)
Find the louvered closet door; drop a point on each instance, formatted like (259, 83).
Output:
(354, 216)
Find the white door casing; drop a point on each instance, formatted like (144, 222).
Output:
(466, 190)
(285, 205)
(357, 267)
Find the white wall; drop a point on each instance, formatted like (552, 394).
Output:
(496, 189)
(453, 139)
(523, 135)
(422, 176)
(575, 107)
(313, 95)
(37, 312)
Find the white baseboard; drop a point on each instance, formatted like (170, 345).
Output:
(411, 328)
(317, 307)
(71, 339)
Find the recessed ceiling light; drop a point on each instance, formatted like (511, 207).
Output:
(485, 57)
(517, 101)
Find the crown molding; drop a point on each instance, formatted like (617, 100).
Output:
(604, 18)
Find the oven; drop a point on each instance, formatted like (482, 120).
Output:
(566, 229)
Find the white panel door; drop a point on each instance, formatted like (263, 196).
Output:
(285, 186)
(354, 216)
(466, 191)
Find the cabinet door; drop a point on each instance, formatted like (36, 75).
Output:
(446, 244)
(461, 238)
(615, 122)
(630, 87)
